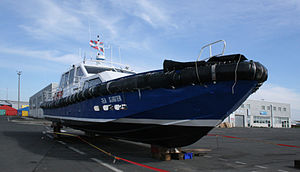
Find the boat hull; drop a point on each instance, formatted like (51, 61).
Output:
(166, 117)
(162, 135)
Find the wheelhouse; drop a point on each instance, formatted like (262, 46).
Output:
(88, 74)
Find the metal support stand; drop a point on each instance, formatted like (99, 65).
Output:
(56, 129)
(167, 154)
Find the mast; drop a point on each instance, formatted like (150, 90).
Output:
(99, 46)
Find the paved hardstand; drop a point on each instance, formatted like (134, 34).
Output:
(25, 145)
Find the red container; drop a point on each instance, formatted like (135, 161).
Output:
(9, 110)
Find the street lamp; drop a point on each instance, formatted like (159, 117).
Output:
(272, 117)
(19, 75)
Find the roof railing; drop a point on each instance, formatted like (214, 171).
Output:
(112, 64)
(210, 49)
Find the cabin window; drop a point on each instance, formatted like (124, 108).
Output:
(94, 82)
(62, 80)
(79, 72)
(91, 83)
(71, 77)
(94, 70)
(66, 79)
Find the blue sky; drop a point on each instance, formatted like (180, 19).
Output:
(43, 38)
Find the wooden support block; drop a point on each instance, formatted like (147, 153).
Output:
(165, 157)
(165, 154)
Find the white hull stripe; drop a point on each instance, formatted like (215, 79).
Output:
(187, 122)
(79, 119)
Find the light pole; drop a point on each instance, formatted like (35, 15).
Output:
(19, 75)
(272, 118)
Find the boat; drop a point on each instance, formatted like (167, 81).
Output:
(170, 107)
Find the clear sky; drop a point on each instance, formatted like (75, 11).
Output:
(42, 38)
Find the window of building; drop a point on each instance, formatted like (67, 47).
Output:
(279, 120)
(284, 109)
(279, 108)
(268, 108)
(274, 108)
(263, 107)
(248, 106)
(261, 120)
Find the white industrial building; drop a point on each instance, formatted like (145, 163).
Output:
(260, 113)
(37, 99)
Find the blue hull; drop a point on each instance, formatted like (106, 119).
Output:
(214, 101)
(166, 115)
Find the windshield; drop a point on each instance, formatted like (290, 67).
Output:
(95, 70)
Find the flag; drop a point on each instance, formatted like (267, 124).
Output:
(97, 45)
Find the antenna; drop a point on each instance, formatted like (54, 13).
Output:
(98, 39)
(90, 30)
(111, 54)
(79, 53)
(84, 58)
(120, 54)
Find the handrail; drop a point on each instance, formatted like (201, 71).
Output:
(210, 55)
(210, 51)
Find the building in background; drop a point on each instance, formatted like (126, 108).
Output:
(296, 124)
(23, 111)
(260, 113)
(9, 107)
(8, 111)
(37, 99)
(13, 103)
(5, 102)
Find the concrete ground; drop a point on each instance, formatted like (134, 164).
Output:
(25, 146)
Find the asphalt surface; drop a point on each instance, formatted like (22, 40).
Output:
(25, 145)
